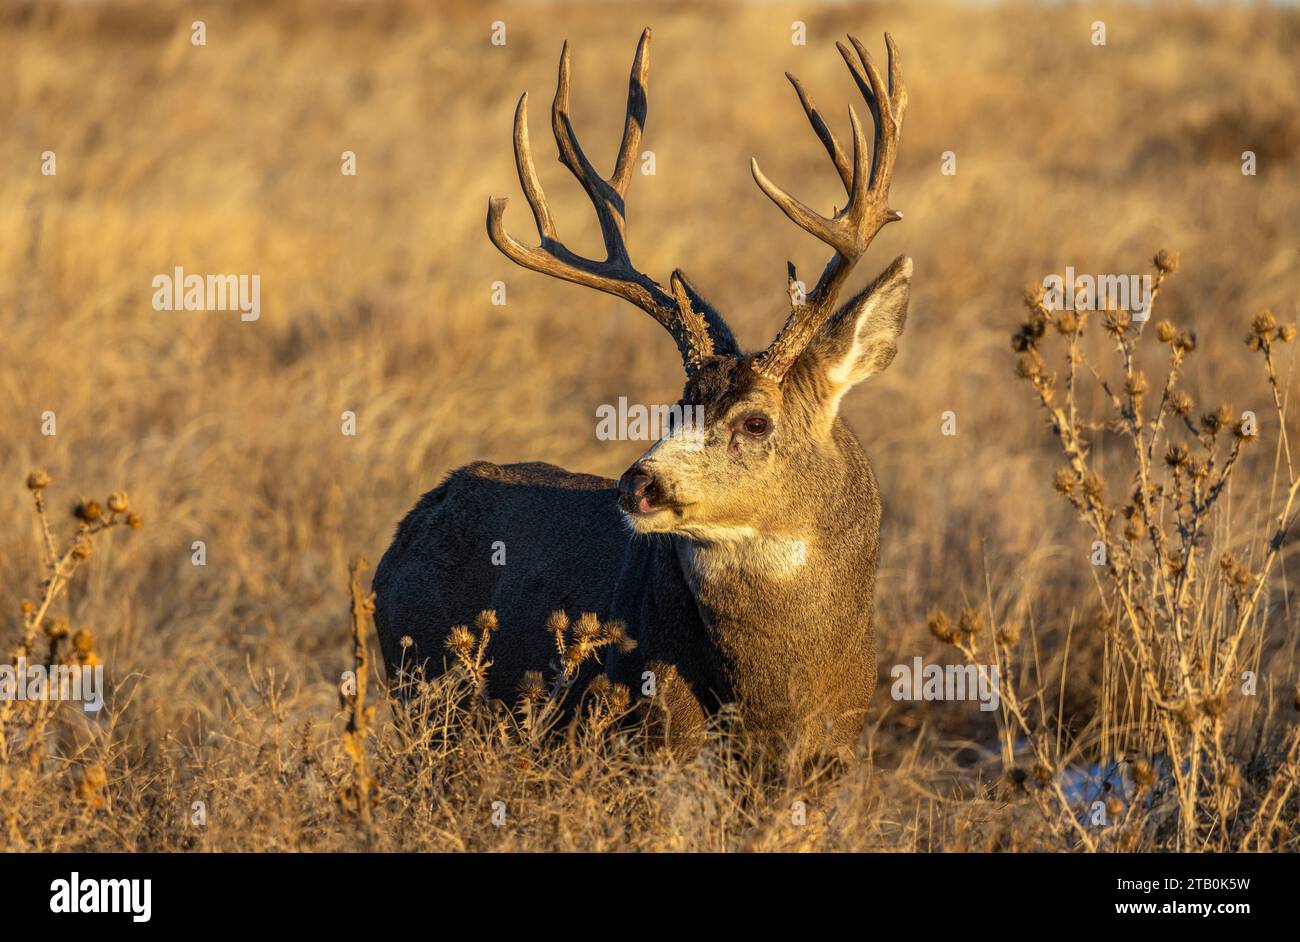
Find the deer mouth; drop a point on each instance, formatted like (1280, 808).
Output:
(659, 518)
(649, 506)
(651, 512)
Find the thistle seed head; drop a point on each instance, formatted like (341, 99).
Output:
(1144, 774)
(1263, 324)
(532, 688)
(574, 655)
(587, 627)
(1094, 485)
(940, 627)
(1117, 323)
(460, 640)
(87, 511)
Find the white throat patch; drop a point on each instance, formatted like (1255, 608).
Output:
(718, 550)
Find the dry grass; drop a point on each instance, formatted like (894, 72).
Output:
(225, 679)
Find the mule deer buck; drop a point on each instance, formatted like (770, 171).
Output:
(741, 557)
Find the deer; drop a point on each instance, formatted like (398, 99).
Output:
(740, 557)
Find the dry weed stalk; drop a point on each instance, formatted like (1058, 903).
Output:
(965, 637)
(92, 521)
(25, 744)
(358, 795)
(1177, 639)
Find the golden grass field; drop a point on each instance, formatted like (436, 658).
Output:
(376, 299)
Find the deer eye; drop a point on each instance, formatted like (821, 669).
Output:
(756, 425)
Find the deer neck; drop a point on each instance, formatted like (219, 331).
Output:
(811, 577)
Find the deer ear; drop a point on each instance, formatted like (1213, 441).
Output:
(861, 337)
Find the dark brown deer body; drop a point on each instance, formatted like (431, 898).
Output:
(741, 552)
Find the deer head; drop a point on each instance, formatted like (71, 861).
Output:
(766, 439)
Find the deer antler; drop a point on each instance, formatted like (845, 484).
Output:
(695, 326)
(851, 230)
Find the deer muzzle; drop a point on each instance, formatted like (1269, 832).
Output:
(639, 492)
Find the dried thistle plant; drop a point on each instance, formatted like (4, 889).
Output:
(93, 520)
(1180, 630)
(26, 733)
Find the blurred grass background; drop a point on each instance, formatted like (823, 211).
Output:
(376, 289)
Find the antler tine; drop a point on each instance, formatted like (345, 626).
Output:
(882, 159)
(607, 195)
(634, 125)
(608, 201)
(823, 132)
(689, 325)
(897, 91)
(852, 229)
(532, 186)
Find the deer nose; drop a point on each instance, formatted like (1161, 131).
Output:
(637, 490)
